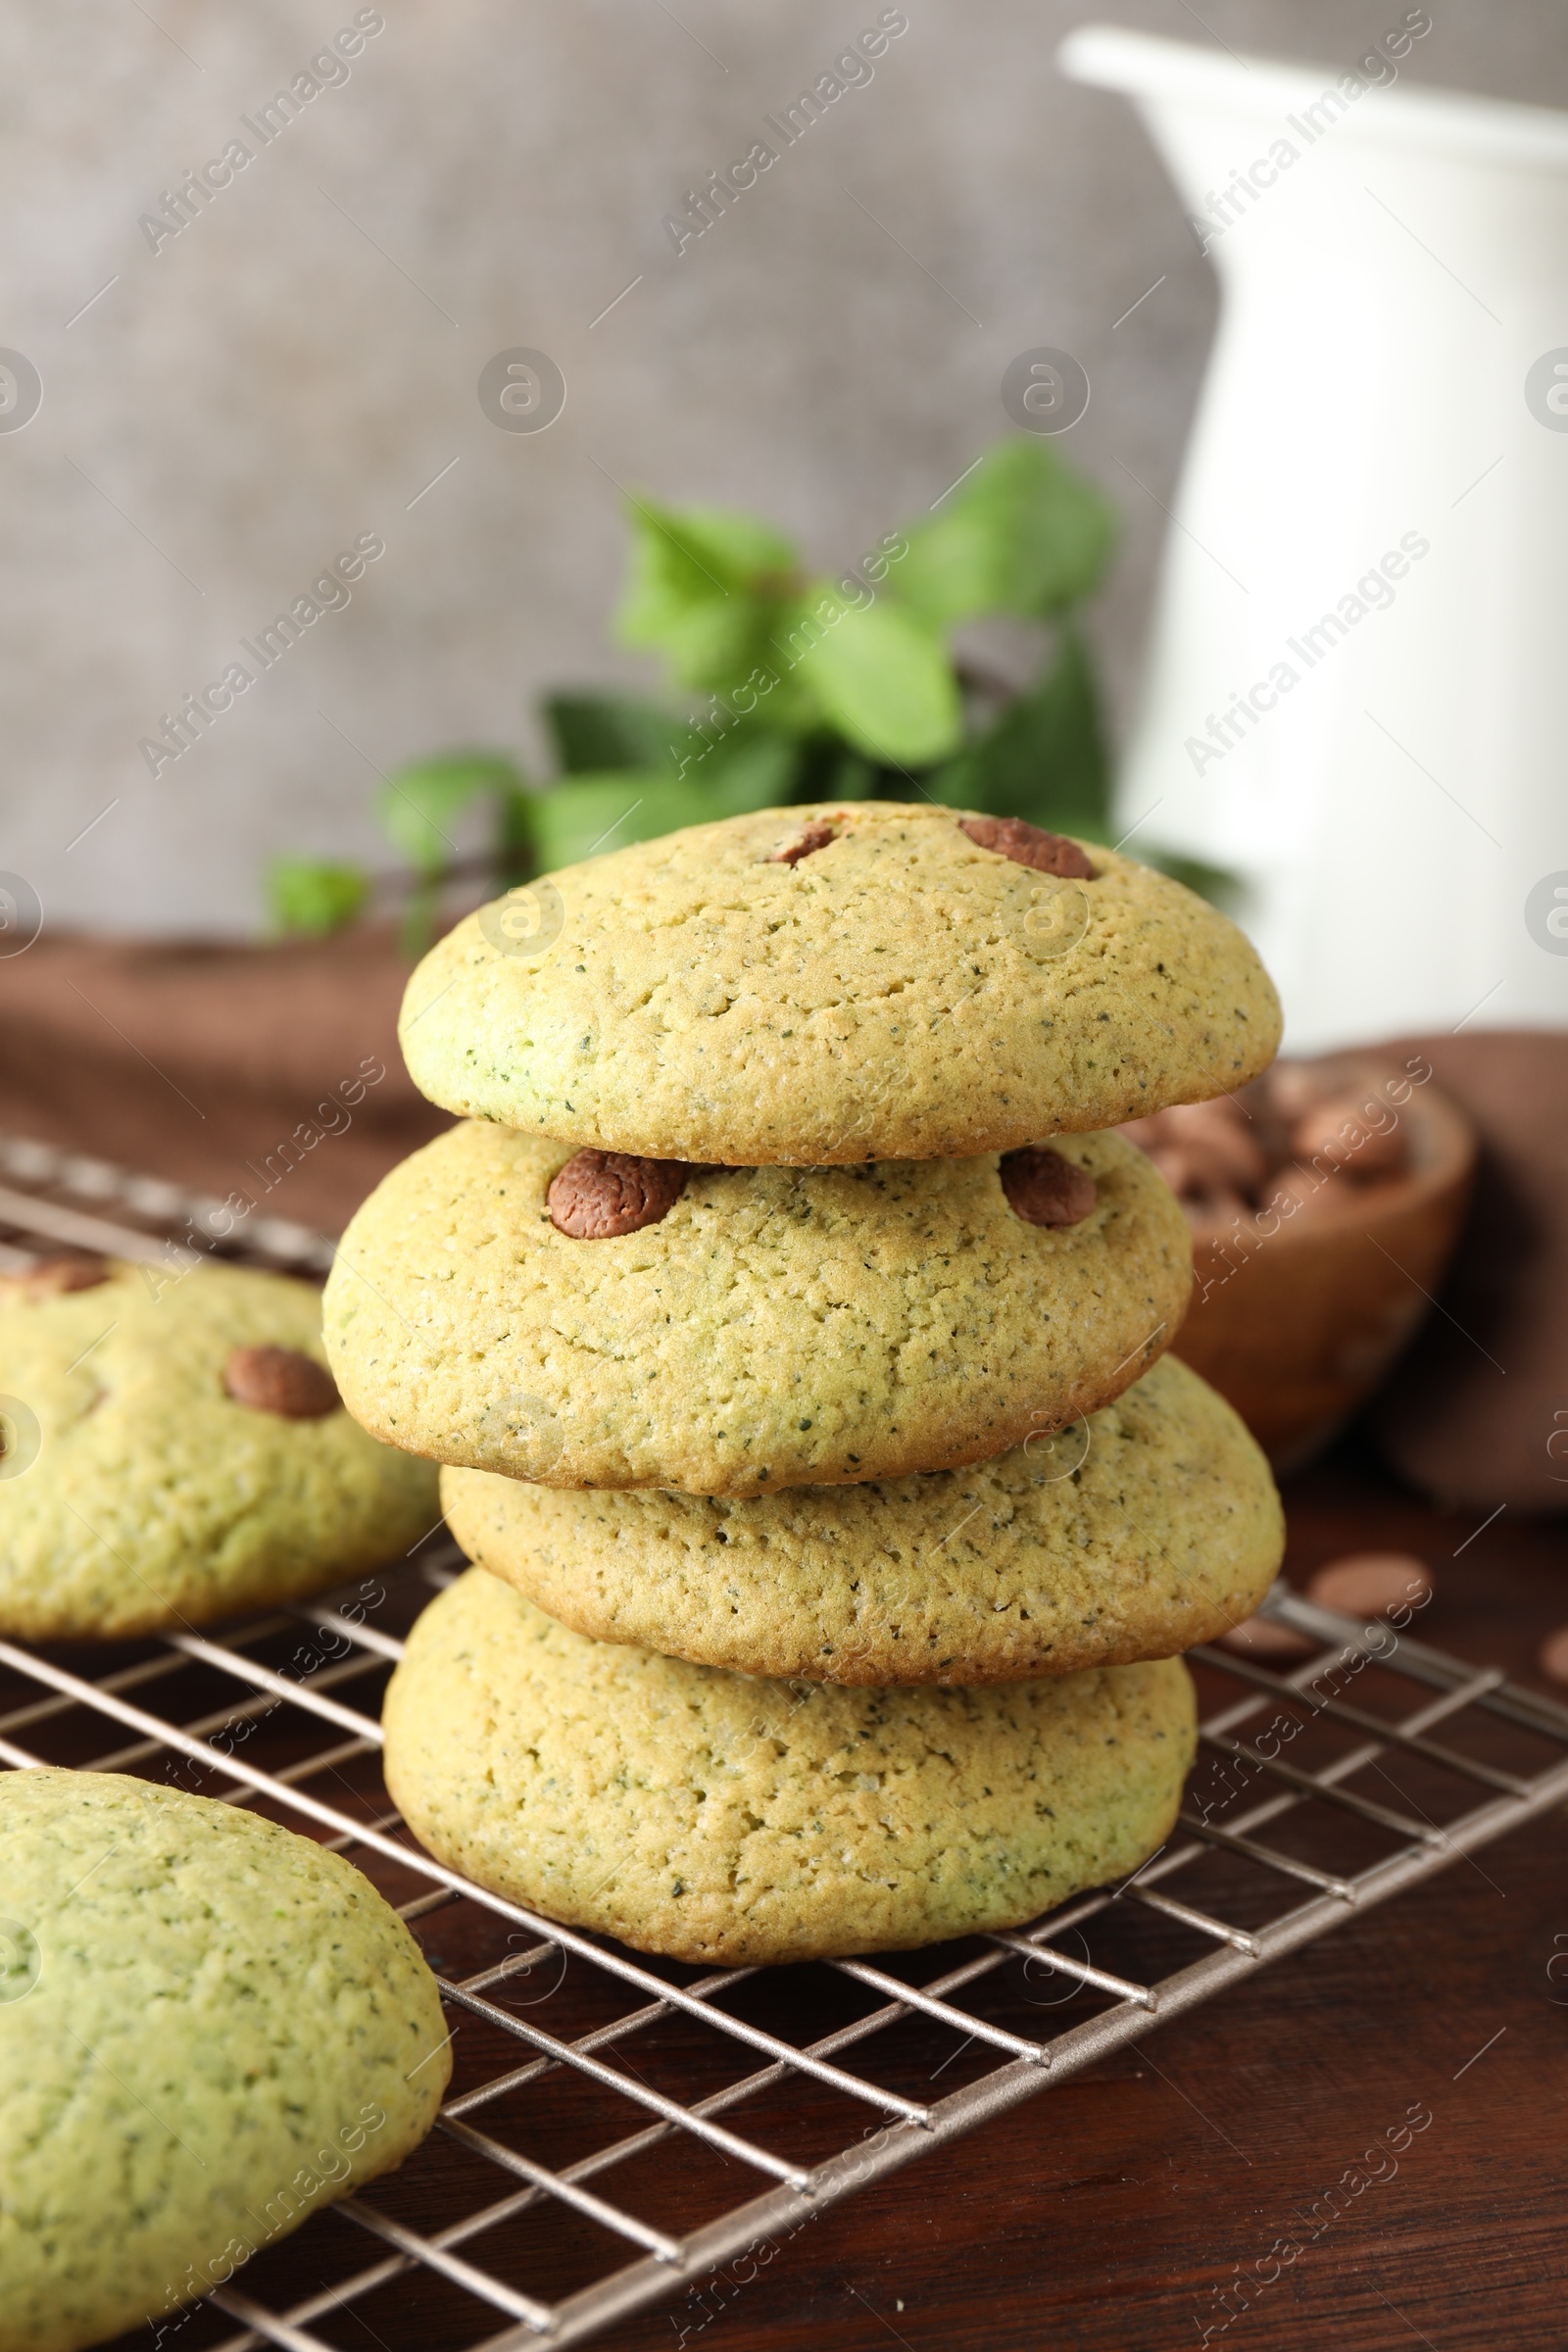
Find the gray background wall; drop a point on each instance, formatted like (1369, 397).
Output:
(301, 360)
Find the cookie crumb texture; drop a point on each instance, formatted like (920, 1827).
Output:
(722, 1820)
(1151, 1527)
(902, 992)
(228, 2029)
(156, 1497)
(779, 1327)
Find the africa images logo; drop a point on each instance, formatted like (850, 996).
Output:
(328, 593)
(1546, 914)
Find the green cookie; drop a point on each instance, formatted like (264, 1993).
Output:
(900, 991)
(209, 2027)
(1149, 1527)
(137, 1490)
(728, 1821)
(775, 1327)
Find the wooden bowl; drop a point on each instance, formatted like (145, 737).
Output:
(1297, 1320)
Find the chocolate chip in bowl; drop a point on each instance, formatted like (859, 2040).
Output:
(1325, 1200)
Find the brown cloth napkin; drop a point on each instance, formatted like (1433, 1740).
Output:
(1477, 1413)
(272, 1072)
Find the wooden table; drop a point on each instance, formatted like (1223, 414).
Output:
(1114, 2212)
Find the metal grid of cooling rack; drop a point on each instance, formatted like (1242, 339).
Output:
(458, 2226)
(51, 1196)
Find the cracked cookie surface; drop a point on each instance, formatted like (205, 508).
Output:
(724, 1820)
(778, 1327)
(901, 992)
(1149, 1527)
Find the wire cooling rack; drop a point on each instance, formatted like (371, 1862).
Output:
(619, 2128)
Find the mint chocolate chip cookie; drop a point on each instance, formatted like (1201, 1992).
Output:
(861, 980)
(747, 1328)
(172, 1451)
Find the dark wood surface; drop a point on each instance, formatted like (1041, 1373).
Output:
(1114, 2212)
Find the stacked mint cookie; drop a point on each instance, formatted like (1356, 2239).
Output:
(793, 1329)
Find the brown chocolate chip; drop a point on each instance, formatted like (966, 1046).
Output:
(70, 1270)
(1334, 1129)
(1369, 1583)
(816, 836)
(1044, 1189)
(1266, 1638)
(280, 1380)
(1028, 845)
(1220, 1138)
(1553, 1658)
(600, 1194)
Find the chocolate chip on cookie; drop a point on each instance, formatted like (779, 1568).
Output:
(281, 1380)
(598, 1195)
(708, 1013)
(814, 836)
(742, 1273)
(1044, 1189)
(1028, 845)
(53, 1277)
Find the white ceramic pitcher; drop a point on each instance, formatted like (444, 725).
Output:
(1357, 692)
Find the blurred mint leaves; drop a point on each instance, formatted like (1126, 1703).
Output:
(1024, 536)
(310, 898)
(785, 687)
